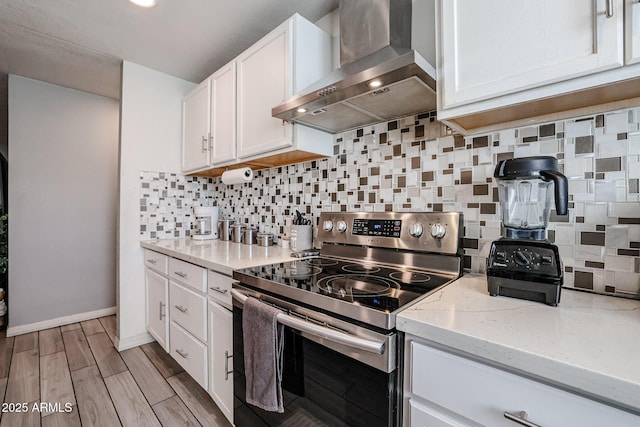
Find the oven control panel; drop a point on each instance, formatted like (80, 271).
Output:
(437, 232)
(377, 227)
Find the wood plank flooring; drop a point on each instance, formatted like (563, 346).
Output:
(73, 376)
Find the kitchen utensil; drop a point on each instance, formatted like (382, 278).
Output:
(236, 232)
(301, 237)
(264, 239)
(250, 236)
(206, 220)
(224, 229)
(523, 264)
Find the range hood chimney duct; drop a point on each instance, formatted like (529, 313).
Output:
(381, 78)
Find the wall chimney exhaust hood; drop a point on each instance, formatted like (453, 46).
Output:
(381, 78)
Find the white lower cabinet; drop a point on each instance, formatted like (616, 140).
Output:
(443, 389)
(221, 358)
(190, 353)
(189, 313)
(157, 287)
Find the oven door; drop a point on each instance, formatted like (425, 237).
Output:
(329, 376)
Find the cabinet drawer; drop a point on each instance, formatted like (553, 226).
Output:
(190, 353)
(189, 310)
(219, 288)
(188, 274)
(156, 261)
(483, 394)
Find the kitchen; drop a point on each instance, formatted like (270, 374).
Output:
(414, 163)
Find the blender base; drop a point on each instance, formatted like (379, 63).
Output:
(525, 269)
(522, 289)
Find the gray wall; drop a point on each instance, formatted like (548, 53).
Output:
(4, 117)
(63, 198)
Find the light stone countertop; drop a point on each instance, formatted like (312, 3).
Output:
(218, 255)
(589, 343)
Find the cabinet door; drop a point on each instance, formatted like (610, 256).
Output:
(632, 31)
(195, 128)
(263, 80)
(492, 48)
(223, 114)
(221, 358)
(157, 296)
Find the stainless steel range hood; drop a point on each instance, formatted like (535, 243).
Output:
(375, 46)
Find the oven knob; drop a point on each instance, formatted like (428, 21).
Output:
(327, 225)
(415, 230)
(341, 226)
(438, 231)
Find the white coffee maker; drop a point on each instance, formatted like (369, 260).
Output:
(206, 223)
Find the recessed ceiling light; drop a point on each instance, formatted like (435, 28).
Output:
(375, 83)
(145, 3)
(301, 110)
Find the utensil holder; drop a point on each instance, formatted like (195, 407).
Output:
(301, 237)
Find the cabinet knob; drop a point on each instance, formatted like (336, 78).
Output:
(182, 353)
(181, 308)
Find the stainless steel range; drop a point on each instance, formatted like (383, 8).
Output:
(340, 309)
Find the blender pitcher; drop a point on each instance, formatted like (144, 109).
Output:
(525, 193)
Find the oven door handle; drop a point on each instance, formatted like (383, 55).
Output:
(321, 331)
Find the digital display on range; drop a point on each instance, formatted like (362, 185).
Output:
(376, 227)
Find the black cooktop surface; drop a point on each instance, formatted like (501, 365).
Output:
(370, 285)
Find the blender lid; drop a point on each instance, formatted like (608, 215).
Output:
(525, 167)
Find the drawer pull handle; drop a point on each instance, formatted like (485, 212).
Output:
(152, 261)
(219, 290)
(181, 308)
(520, 418)
(161, 310)
(182, 353)
(180, 273)
(227, 356)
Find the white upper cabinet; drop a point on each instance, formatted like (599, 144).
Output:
(632, 31)
(223, 114)
(510, 63)
(263, 71)
(491, 48)
(195, 136)
(291, 57)
(227, 119)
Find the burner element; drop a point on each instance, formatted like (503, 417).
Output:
(410, 277)
(300, 271)
(360, 268)
(355, 286)
(322, 262)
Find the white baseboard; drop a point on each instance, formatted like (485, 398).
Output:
(134, 341)
(59, 321)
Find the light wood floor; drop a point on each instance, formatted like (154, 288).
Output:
(77, 366)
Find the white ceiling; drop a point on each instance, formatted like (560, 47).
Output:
(81, 43)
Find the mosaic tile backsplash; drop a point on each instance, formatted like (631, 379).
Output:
(416, 164)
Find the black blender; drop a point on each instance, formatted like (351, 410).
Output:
(524, 264)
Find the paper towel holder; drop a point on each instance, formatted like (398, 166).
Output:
(237, 176)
